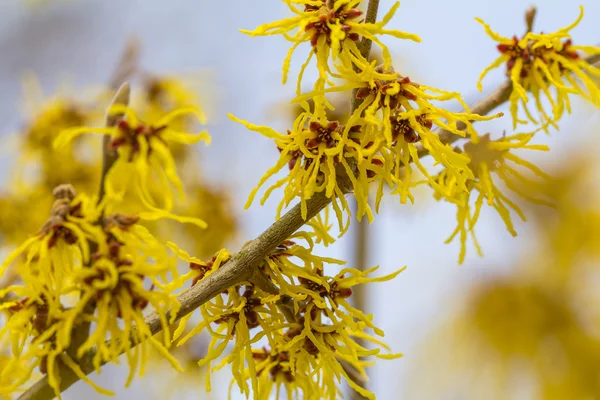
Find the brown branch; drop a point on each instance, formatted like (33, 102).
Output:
(109, 155)
(118, 81)
(370, 18)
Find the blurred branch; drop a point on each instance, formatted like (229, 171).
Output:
(241, 267)
(359, 292)
(125, 68)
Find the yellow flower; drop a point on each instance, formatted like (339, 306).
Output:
(543, 64)
(145, 165)
(312, 354)
(210, 204)
(17, 218)
(395, 114)
(332, 29)
(8, 377)
(38, 168)
(319, 154)
(161, 94)
(489, 158)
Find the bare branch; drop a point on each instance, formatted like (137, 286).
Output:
(109, 155)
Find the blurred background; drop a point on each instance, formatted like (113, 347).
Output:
(520, 323)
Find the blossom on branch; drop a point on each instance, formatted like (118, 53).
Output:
(309, 351)
(333, 29)
(550, 67)
(144, 166)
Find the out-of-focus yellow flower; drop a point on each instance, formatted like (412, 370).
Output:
(9, 376)
(18, 219)
(40, 335)
(116, 284)
(514, 334)
(144, 161)
(212, 205)
(39, 168)
(332, 29)
(489, 158)
(533, 332)
(161, 381)
(61, 245)
(87, 266)
(159, 95)
(543, 64)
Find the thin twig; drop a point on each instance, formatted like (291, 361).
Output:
(125, 68)
(109, 155)
(484, 107)
(370, 18)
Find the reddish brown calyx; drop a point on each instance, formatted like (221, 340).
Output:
(282, 249)
(389, 95)
(62, 209)
(202, 269)
(119, 220)
(376, 163)
(130, 136)
(514, 51)
(331, 16)
(402, 127)
(336, 291)
(249, 310)
(568, 51)
(323, 134)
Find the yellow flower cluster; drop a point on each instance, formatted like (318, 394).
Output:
(390, 114)
(86, 267)
(93, 266)
(145, 148)
(304, 339)
(333, 29)
(550, 67)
